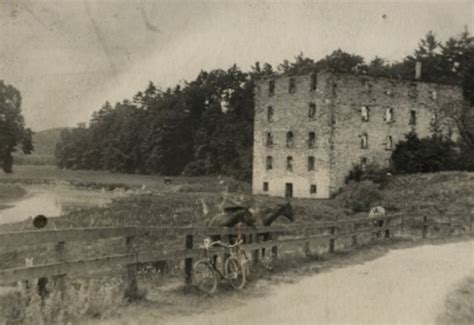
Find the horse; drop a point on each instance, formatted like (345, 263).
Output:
(267, 216)
(377, 212)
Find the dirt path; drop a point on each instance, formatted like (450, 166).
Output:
(406, 286)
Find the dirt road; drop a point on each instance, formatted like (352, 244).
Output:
(406, 286)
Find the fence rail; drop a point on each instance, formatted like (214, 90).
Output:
(281, 235)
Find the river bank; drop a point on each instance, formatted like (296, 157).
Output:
(9, 193)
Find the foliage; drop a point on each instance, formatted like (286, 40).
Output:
(372, 172)
(12, 127)
(361, 196)
(205, 126)
(431, 154)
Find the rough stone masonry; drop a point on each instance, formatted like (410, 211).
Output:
(310, 130)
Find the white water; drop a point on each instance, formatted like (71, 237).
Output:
(53, 201)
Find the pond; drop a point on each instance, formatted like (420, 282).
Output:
(54, 201)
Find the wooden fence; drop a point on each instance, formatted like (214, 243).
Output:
(301, 234)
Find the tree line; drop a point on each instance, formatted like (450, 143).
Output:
(205, 126)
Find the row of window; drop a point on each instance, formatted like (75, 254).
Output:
(289, 163)
(292, 85)
(412, 89)
(289, 188)
(364, 140)
(290, 139)
(364, 112)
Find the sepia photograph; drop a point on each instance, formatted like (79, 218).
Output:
(236, 162)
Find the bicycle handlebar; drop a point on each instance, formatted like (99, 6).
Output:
(209, 244)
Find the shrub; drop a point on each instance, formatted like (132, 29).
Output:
(426, 155)
(360, 196)
(372, 172)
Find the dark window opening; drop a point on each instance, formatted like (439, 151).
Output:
(271, 88)
(288, 190)
(291, 85)
(363, 163)
(413, 90)
(389, 143)
(364, 141)
(269, 139)
(312, 110)
(334, 89)
(269, 163)
(311, 139)
(314, 81)
(269, 114)
(265, 186)
(313, 189)
(311, 163)
(289, 139)
(412, 117)
(289, 163)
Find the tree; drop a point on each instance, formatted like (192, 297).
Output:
(12, 127)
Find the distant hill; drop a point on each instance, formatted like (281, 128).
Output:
(44, 143)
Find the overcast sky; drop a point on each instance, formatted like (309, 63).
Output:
(68, 57)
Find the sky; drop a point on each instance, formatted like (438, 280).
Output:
(68, 57)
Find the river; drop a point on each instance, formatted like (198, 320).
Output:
(54, 201)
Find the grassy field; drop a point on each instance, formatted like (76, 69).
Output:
(9, 192)
(459, 308)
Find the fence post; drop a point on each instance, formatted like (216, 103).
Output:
(256, 240)
(332, 240)
(354, 237)
(387, 230)
(306, 247)
(188, 262)
(131, 293)
(273, 236)
(425, 226)
(60, 280)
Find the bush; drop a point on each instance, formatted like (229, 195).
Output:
(372, 172)
(425, 155)
(361, 196)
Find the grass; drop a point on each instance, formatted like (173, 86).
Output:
(459, 306)
(9, 192)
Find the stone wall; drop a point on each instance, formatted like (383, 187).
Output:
(338, 126)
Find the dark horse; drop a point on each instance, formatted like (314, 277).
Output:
(267, 216)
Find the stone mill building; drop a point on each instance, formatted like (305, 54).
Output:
(310, 130)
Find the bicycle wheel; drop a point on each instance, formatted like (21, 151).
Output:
(234, 272)
(204, 276)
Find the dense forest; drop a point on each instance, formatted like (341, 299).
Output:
(205, 126)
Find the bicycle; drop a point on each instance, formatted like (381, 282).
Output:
(206, 274)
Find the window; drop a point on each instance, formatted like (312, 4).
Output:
(312, 110)
(265, 186)
(334, 89)
(288, 190)
(364, 141)
(363, 163)
(269, 139)
(311, 163)
(314, 81)
(434, 118)
(289, 139)
(412, 90)
(364, 113)
(269, 162)
(292, 85)
(412, 117)
(388, 115)
(271, 88)
(388, 143)
(311, 139)
(289, 163)
(313, 189)
(269, 114)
